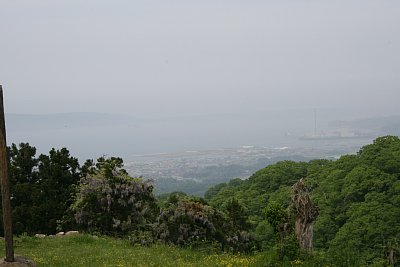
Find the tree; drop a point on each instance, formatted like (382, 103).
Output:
(276, 216)
(279, 219)
(238, 239)
(24, 186)
(58, 175)
(42, 187)
(237, 215)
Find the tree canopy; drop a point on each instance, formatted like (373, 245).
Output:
(358, 200)
(358, 197)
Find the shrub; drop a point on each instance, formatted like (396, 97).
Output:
(109, 201)
(189, 221)
(241, 241)
(142, 237)
(192, 222)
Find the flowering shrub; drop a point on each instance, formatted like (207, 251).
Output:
(192, 222)
(112, 202)
(241, 241)
(188, 221)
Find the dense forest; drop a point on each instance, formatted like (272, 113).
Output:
(355, 200)
(358, 197)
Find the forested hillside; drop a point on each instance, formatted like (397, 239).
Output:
(355, 206)
(358, 197)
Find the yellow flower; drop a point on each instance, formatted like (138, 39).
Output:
(296, 262)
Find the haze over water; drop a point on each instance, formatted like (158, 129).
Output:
(194, 75)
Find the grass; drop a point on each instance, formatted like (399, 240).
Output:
(90, 251)
(86, 250)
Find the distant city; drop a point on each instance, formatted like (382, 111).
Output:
(191, 154)
(195, 171)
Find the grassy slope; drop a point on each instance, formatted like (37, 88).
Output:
(85, 250)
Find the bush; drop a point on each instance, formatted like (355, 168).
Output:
(191, 222)
(142, 238)
(241, 241)
(188, 221)
(111, 202)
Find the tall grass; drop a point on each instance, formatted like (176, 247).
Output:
(86, 250)
(91, 251)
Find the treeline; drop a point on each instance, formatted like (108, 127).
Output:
(355, 201)
(51, 193)
(358, 198)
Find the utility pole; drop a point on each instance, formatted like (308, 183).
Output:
(5, 186)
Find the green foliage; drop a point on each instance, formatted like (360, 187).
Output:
(41, 187)
(276, 215)
(185, 221)
(164, 200)
(237, 215)
(359, 201)
(255, 191)
(264, 234)
(286, 243)
(237, 237)
(58, 173)
(213, 191)
(142, 237)
(382, 154)
(272, 183)
(190, 221)
(358, 196)
(111, 202)
(370, 225)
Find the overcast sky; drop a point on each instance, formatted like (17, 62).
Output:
(169, 57)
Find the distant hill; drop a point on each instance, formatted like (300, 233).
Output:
(378, 125)
(89, 135)
(55, 121)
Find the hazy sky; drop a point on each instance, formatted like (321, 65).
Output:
(168, 57)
